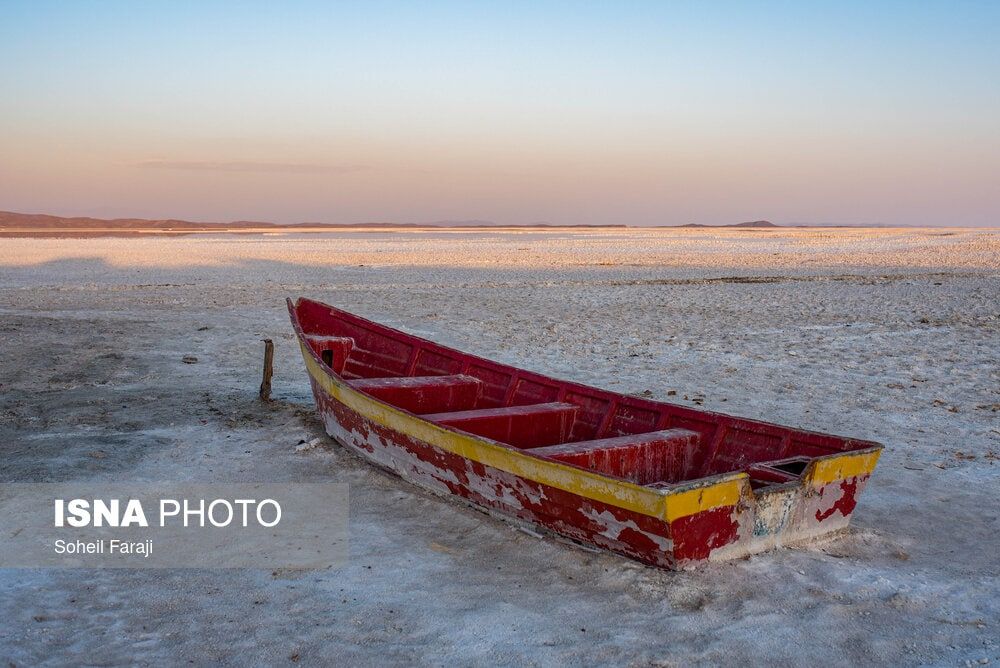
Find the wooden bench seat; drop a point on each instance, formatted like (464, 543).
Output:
(529, 426)
(648, 458)
(424, 394)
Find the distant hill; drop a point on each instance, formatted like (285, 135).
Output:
(752, 223)
(44, 222)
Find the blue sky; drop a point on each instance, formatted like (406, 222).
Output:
(639, 113)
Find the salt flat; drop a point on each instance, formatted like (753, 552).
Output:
(887, 334)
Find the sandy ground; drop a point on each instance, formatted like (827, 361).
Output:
(892, 335)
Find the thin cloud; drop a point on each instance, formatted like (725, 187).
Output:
(249, 166)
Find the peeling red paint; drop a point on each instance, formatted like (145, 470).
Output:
(695, 536)
(845, 504)
(558, 510)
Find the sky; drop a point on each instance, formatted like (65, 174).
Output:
(638, 113)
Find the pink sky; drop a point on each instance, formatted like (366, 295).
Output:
(650, 115)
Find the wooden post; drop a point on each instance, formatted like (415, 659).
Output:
(265, 385)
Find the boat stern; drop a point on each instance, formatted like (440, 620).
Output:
(726, 518)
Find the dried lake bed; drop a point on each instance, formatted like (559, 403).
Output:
(886, 334)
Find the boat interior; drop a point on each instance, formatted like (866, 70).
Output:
(646, 442)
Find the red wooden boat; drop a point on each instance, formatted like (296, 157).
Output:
(665, 484)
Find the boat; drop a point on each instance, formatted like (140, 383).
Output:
(669, 485)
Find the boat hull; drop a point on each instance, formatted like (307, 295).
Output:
(709, 519)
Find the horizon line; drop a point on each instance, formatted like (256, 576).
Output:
(55, 222)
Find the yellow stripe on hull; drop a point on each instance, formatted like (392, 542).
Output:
(666, 504)
(842, 467)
